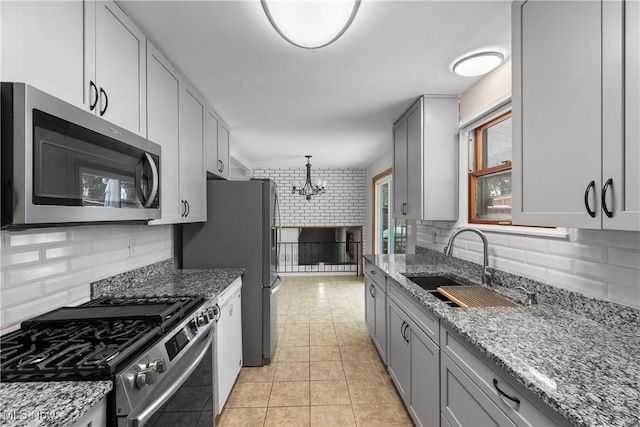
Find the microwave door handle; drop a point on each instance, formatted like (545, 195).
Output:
(156, 180)
(144, 201)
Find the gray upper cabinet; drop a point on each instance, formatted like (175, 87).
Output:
(217, 146)
(87, 53)
(425, 160)
(566, 157)
(58, 43)
(163, 94)
(193, 182)
(621, 114)
(114, 66)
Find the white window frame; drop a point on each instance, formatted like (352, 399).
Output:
(464, 129)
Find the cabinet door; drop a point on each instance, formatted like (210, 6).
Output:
(370, 305)
(399, 356)
(42, 45)
(400, 170)
(193, 182)
(213, 166)
(621, 109)
(381, 322)
(116, 63)
(440, 158)
(425, 377)
(557, 113)
(415, 179)
(163, 89)
(223, 150)
(463, 403)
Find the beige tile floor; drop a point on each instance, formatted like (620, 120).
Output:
(325, 372)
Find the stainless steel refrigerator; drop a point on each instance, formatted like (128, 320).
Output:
(242, 231)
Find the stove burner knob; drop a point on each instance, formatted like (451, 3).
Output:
(203, 320)
(146, 377)
(159, 365)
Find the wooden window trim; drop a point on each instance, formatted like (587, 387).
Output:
(476, 172)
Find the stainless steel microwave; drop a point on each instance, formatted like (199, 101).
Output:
(64, 165)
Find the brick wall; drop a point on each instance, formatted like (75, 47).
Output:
(600, 264)
(43, 269)
(343, 204)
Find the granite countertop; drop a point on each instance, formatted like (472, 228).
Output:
(62, 403)
(49, 404)
(586, 371)
(209, 282)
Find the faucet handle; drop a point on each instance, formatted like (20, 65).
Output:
(531, 296)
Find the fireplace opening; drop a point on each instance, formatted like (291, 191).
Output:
(321, 249)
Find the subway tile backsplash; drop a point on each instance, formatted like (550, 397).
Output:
(600, 264)
(43, 269)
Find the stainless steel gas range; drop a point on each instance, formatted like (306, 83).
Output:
(147, 345)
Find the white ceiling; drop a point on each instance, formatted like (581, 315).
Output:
(337, 103)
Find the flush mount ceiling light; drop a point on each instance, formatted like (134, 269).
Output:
(309, 189)
(477, 64)
(310, 24)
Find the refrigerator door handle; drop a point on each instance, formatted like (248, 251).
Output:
(276, 288)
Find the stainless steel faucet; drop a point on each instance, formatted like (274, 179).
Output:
(531, 296)
(448, 250)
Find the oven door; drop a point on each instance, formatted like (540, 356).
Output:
(169, 382)
(180, 352)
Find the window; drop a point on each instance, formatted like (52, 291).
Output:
(490, 157)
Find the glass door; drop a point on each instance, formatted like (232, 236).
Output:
(390, 235)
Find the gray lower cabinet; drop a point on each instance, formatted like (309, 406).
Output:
(413, 361)
(463, 403)
(474, 391)
(375, 314)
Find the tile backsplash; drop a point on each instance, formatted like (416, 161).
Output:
(43, 269)
(600, 264)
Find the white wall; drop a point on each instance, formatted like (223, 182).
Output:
(600, 264)
(384, 162)
(343, 204)
(489, 90)
(43, 269)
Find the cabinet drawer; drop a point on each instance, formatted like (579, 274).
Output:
(376, 274)
(531, 411)
(426, 321)
(462, 401)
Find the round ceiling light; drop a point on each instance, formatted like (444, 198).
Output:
(310, 24)
(477, 64)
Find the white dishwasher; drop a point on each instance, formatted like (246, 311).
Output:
(228, 343)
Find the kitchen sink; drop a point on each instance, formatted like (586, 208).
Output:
(432, 283)
(455, 294)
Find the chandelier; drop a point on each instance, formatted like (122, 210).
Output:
(309, 189)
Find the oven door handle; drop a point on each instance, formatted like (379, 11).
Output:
(143, 416)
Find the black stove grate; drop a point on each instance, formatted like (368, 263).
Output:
(62, 345)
